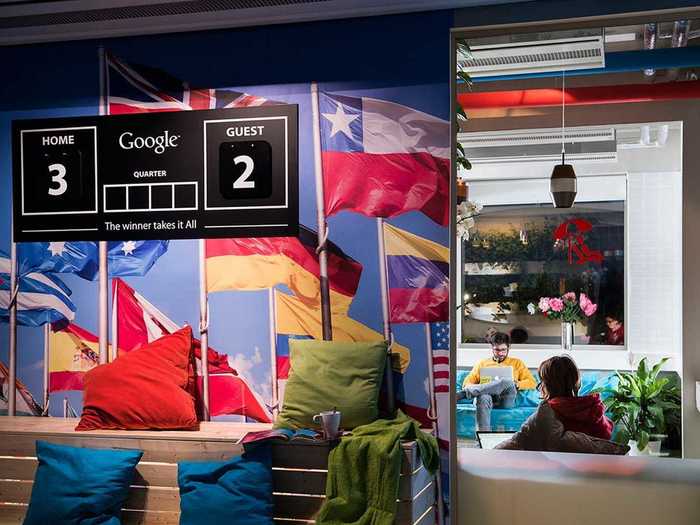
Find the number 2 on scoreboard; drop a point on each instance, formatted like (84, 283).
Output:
(242, 182)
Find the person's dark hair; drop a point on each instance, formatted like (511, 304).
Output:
(499, 338)
(559, 376)
(518, 335)
(616, 314)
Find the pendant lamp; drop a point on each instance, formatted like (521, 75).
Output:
(562, 184)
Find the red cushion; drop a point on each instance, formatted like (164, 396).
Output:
(147, 388)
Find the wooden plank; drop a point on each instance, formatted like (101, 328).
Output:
(428, 518)
(296, 507)
(15, 491)
(310, 455)
(15, 514)
(208, 430)
(12, 513)
(148, 474)
(410, 486)
(153, 499)
(408, 512)
(156, 474)
(136, 517)
(162, 450)
(299, 481)
(301, 455)
(18, 468)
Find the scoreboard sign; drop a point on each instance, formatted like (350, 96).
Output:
(187, 174)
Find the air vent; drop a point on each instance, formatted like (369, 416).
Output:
(522, 58)
(582, 144)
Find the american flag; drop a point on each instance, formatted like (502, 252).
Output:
(134, 88)
(440, 345)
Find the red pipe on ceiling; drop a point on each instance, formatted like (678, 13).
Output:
(580, 95)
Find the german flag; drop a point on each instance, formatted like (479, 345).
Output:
(256, 264)
(295, 319)
(72, 352)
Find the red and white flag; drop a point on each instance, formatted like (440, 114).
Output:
(138, 323)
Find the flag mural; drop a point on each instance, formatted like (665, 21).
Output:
(383, 159)
(26, 404)
(41, 298)
(418, 275)
(378, 159)
(72, 352)
(296, 319)
(135, 88)
(257, 264)
(139, 323)
(124, 258)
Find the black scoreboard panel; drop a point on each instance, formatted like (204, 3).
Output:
(189, 174)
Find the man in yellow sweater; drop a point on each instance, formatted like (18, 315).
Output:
(499, 393)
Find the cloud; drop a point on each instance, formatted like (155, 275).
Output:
(249, 368)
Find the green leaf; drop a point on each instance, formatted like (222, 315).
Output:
(642, 369)
(642, 440)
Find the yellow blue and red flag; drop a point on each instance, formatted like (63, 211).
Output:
(418, 275)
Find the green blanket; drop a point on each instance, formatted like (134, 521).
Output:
(363, 472)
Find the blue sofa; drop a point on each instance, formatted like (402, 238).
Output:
(525, 404)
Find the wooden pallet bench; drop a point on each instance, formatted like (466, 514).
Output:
(299, 469)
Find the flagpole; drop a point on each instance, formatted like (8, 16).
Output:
(12, 313)
(103, 286)
(47, 364)
(326, 325)
(115, 326)
(384, 289)
(432, 415)
(273, 349)
(204, 328)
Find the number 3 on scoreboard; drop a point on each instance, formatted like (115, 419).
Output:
(242, 182)
(59, 178)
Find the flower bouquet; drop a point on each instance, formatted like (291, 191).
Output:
(568, 309)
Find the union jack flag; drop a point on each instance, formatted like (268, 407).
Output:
(134, 88)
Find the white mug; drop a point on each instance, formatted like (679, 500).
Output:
(330, 423)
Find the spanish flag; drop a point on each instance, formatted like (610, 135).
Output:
(418, 274)
(256, 264)
(296, 320)
(72, 352)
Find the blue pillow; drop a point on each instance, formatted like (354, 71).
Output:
(238, 490)
(85, 486)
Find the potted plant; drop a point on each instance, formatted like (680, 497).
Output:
(644, 406)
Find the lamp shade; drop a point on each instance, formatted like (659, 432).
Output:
(562, 186)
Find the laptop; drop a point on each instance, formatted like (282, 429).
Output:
(489, 439)
(489, 373)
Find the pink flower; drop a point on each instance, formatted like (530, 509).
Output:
(544, 304)
(556, 304)
(569, 297)
(588, 307)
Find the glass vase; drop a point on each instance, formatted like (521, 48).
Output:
(567, 336)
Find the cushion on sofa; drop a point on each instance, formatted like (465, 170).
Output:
(76, 485)
(147, 388)
(328, 374)
(238, 490)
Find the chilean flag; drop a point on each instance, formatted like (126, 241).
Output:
(383, 159)
(139, 323)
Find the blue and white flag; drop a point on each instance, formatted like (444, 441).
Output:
(133, 257)
(82, 257)
(41, 299)
(78, 257)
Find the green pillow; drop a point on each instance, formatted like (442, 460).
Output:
(327, 374)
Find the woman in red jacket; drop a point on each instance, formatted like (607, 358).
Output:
(565, 421)
(559, 385)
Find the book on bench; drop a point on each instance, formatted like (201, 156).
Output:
(284, 434)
